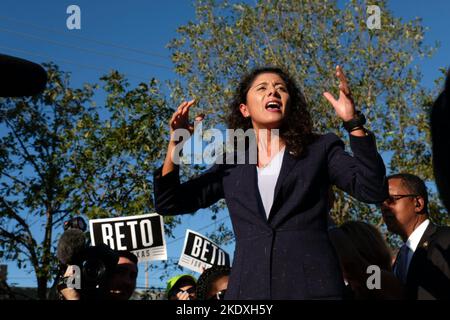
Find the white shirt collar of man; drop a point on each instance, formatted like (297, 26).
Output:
(414, 238)
(407, 250)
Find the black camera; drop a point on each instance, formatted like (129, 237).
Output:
(95, 263)
(75, 223)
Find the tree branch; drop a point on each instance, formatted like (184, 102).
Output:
(15, 179)
(62, 217)
(29, 246)
(13, 214)
(28, 156)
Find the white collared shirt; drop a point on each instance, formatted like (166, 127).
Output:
(414, 239)
(267, 180)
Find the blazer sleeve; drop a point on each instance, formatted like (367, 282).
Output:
(173, 197)
(362, 175)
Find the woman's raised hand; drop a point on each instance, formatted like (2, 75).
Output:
(180, 118)
(344, 106)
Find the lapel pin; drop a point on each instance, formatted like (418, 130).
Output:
(425, 244)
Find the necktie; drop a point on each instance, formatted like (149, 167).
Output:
(401, 265)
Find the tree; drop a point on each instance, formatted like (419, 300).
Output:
(309, 38)
(61, 156)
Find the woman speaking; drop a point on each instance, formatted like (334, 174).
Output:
(279, 203)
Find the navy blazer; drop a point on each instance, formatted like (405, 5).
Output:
(429, 271)
(287, 255)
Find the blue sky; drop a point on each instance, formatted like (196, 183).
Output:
(36, 30)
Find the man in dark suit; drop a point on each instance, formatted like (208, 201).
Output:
(423, 262)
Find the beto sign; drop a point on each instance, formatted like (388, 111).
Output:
(143, 235)
(201, 253)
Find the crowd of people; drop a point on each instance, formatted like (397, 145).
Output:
(420, 270)
(211, 285)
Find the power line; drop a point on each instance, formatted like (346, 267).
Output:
(27, 35)
(104, 43)
(69, 62)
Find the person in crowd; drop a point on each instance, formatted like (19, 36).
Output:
(278, 199)
(213, 283)
(440, 137)
(360, 245)
(423, 262)
(120, 285)
(181, 287)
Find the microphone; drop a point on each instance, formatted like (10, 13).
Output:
(20, 78)
(71, 246)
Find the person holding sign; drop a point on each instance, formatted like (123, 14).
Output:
(278, 203)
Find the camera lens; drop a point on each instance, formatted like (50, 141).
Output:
(94, 271)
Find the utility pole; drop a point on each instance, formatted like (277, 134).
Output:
(146, 275)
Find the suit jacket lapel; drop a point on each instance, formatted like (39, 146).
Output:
(429, 231)
(250, 196)
(253, 197)
(288, 164)
(252, 190)
(421, 251)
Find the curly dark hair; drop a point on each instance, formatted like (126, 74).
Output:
(296, 128)
(208, 277)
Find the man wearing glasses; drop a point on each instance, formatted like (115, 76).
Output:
(423, 262)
